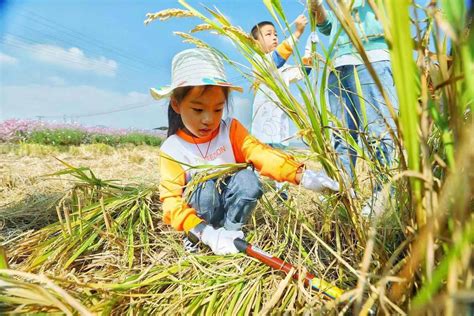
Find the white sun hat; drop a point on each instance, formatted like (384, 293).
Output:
(195, 67)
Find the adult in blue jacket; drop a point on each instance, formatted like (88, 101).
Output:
(344, 100)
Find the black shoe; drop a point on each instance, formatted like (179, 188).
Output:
(189, 246)
(284, 195)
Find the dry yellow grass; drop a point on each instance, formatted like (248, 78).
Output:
(28, 200)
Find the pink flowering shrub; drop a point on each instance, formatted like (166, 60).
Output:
(30, 131)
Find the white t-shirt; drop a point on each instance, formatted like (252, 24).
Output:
(216, 152)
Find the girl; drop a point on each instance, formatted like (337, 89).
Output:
(197, 135)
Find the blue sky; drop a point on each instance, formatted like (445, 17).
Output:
(76, 60)
(93, 61)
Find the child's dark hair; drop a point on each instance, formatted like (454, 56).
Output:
(256, 29)
(174, 119)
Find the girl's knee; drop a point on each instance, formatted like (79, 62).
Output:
(248, 184)
(205, 196)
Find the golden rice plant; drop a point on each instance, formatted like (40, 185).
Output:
(167, 14)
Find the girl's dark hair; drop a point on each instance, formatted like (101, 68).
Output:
(174, 119)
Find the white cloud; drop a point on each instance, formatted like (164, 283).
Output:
(7, 59)
(72, 58)
(76, 102)
(57, 81)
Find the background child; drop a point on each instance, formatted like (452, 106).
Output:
(215, 212)
(344, 99)
(270, 124)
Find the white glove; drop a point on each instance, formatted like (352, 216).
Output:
(221, 241)
(318, 181)
(313, 38)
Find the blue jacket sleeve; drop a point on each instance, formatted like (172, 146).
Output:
(326, 26)
(278, 59)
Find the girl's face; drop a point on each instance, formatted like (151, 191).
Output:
(201, 109)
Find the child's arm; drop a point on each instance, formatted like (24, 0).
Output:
(275, 163)
(281, 53)
(293, 74)
(322, 16)
(284, 50)
(176, 211)
(318, 10)
(270, 162)
(300, 25)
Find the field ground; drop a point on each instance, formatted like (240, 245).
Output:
(28, 200)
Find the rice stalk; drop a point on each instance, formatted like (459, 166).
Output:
(3, 258)
(201, 27)
(15, 289)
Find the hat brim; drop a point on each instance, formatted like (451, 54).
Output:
(161, 93)
(166, 92)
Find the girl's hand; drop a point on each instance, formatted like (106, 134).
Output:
(318, 181)
(221, 241)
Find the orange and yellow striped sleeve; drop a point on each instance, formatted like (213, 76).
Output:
(285, 49)
(176, 212)
(269, 161)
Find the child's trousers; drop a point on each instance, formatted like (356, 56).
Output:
(229, 203)
(370, 116)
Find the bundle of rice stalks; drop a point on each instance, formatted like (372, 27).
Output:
(94, 214)
(26, 289)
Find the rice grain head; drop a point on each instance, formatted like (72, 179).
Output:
(192, 40)
(202, 27)
(167, 14)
